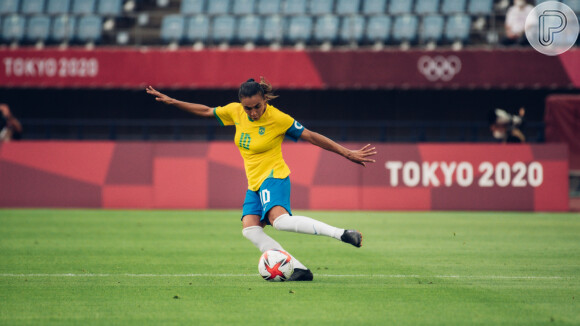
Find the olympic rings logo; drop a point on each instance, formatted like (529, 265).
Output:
(439, 67)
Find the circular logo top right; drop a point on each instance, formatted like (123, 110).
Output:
(552, 28)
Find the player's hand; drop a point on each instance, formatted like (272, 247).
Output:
(360, 156)
(159, 97)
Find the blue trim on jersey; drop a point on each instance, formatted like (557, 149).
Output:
(295, 131)
(272, 192)
(217, 117)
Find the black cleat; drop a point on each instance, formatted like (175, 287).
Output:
(353, 237)
(300, 274)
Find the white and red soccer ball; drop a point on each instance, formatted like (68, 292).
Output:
(276, 265)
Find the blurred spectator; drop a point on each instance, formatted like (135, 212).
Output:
(515, 21)
(506, 127)
(12, 128)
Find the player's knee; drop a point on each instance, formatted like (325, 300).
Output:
(278, 221)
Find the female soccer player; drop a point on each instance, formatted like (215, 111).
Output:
(260, 130)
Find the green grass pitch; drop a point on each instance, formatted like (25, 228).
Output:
(108, 267)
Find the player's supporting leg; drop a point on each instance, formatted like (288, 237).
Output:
(264, 242)
(307, 225)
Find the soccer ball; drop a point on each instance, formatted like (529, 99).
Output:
(276, 265)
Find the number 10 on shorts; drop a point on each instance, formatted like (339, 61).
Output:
(264, 196)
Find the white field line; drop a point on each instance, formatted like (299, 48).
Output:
(470, 277)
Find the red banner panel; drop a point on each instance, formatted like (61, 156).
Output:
(562, 118)
(134, 68)
(211, 175)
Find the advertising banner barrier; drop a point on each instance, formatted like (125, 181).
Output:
(184, 68)
(200, 175)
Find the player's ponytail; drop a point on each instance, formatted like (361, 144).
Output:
(251, 88)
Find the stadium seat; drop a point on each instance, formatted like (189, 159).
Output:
(453, 6)
(273, 31)
(13, 27)
(378, 28)
(58, 7)
(574, 5)
(37, 29)
(172, 28)
(63, 28)
(399, 7)
(480, 7)
(192, 7)
(352, 29)
(223, 29)
(457, 27)
(326, 28)
(405, 28)
(89, 29)
(83, 7)
(294, 7)
(299, 29)
(9, 7)
(432, 28)
(32, 7)
(374, 7)
(249, 28)
(269, 7)
(321, 7)
(109, 7)
(218, 7)
(244, 7)
(347, 7)
(197, 29)
(427, 7)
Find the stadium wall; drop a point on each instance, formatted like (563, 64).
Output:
(201, 175)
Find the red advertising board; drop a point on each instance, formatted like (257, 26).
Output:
(203, 175)
(184, 68)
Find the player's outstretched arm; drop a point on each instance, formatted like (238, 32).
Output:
(197, 109)
(359, 156)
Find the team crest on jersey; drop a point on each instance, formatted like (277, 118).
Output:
(261, 131)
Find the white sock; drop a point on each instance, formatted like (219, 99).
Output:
(264, 242)
(307, 225)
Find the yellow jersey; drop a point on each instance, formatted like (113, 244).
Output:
(260, 142)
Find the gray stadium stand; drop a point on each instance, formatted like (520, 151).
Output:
(378, 29)
(63, 29)
(299, 29)
(172, 29)
(32, 7)
(83, 7)
(89, 29)
(223, 29)
(294, 7)
(427, 7)
(352, 29)
(249, 29)
(405, 28)
(269, 7)
(453, 6)
(480, 7)
(457, 27)
(218, 7)
(192, 7)
(13, 28)
(58, 7)
(399, 7)
(321, 7)
(9, 6)
(374, 7)
(197, 29)
(432, 28)
(347, 7)
(326, 28)
(38, 29)
(109, 7)
(244, 7)
(273, 31)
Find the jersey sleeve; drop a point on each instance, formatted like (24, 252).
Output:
(225, 114)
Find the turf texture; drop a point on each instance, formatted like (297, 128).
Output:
(108, 267)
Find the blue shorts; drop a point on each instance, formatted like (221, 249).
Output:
(272, 192)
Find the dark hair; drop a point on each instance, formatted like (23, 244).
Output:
(251, 88)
